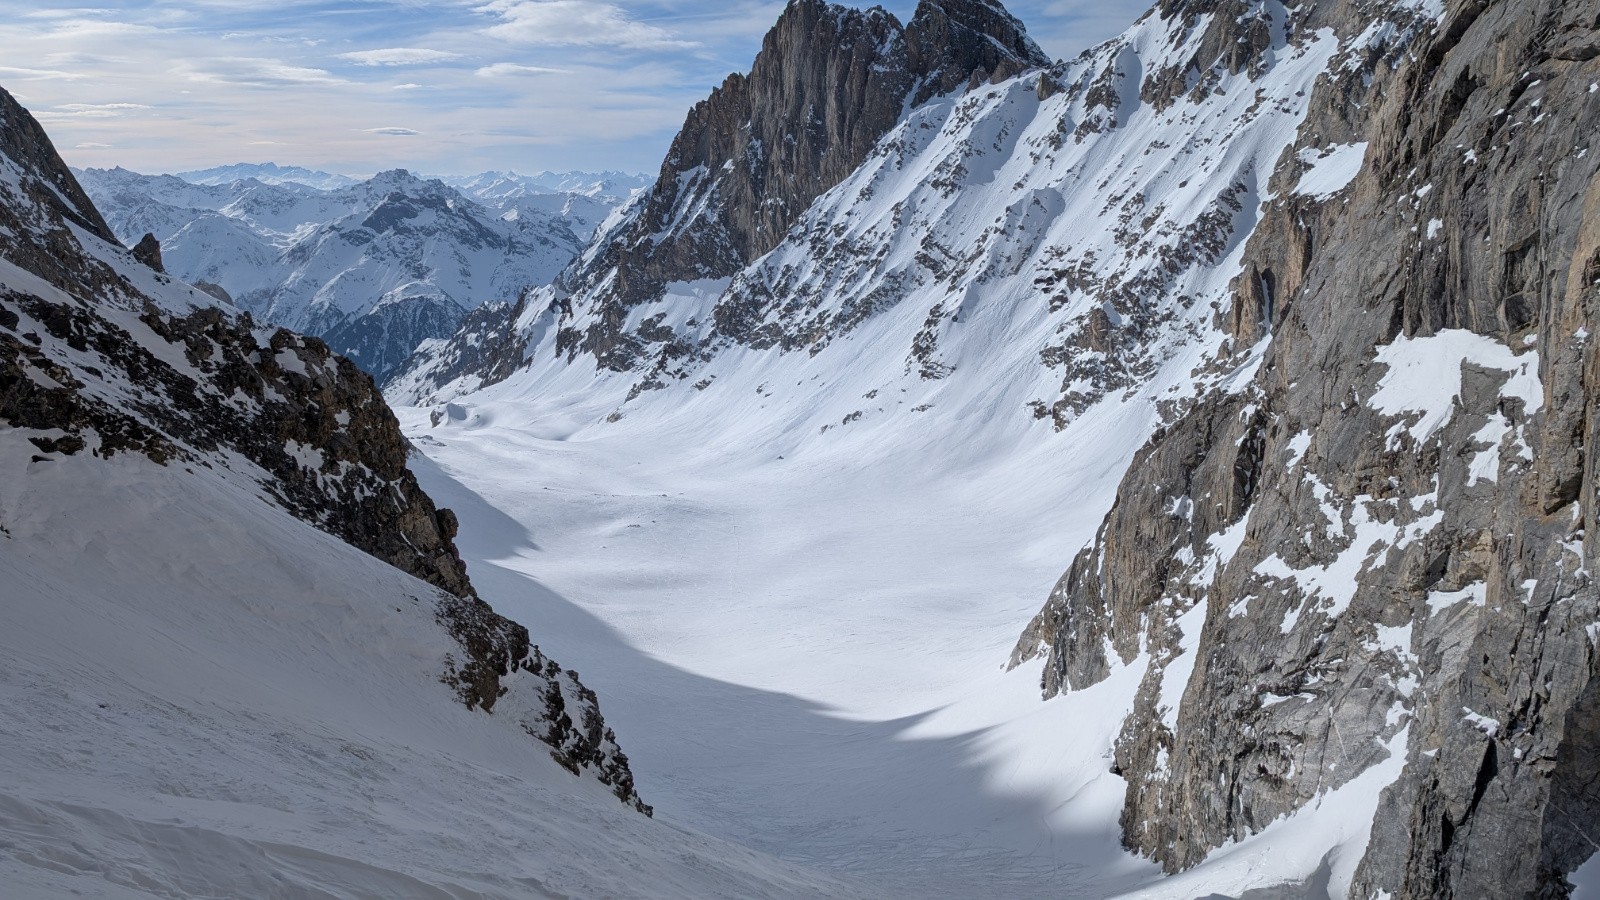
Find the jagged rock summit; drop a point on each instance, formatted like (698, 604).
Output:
(829, 82)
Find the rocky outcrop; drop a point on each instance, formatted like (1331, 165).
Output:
(215, 290)
(208, 388)
(828, 83)
(1379, 551)
(42, 207)
(148, 251)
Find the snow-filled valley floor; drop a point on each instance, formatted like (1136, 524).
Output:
(803, 652)
(803, 656)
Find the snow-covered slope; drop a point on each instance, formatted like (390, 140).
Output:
(201, 696)
(911, 413)
(241, 656)
(374, 267)
(1029, 247)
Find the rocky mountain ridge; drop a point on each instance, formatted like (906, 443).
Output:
(967, 234)
(102, 357)
(828, 83)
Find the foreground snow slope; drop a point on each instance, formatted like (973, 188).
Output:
(202, 696)
(204, 691)
(806, 653)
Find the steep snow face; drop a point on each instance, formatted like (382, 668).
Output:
(374, 267)
(1019, 250)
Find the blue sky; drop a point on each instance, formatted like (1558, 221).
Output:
(445, 87)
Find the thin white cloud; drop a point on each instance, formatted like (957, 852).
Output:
(28, 74)
(504, 68)
(101, 109)
(393, 131)
(92, 29)
(91, 145)
(67, 13)
(399, 56)
(580, 23)
(88, 111)
(253, 72)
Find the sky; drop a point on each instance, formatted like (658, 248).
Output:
(449, 87)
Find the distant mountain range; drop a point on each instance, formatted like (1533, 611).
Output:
(374, 266)
(616, 185)
(268, 173)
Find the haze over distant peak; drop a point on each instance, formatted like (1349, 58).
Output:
(268, 173)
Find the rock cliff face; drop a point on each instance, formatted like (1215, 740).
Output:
(828, 83)
(1370, 568)
(92, 360)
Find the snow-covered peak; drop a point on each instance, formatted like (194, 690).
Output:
(1075, 227)
(507, 187)
(375, 267)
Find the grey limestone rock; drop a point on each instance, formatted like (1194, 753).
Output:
(1335, 582)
